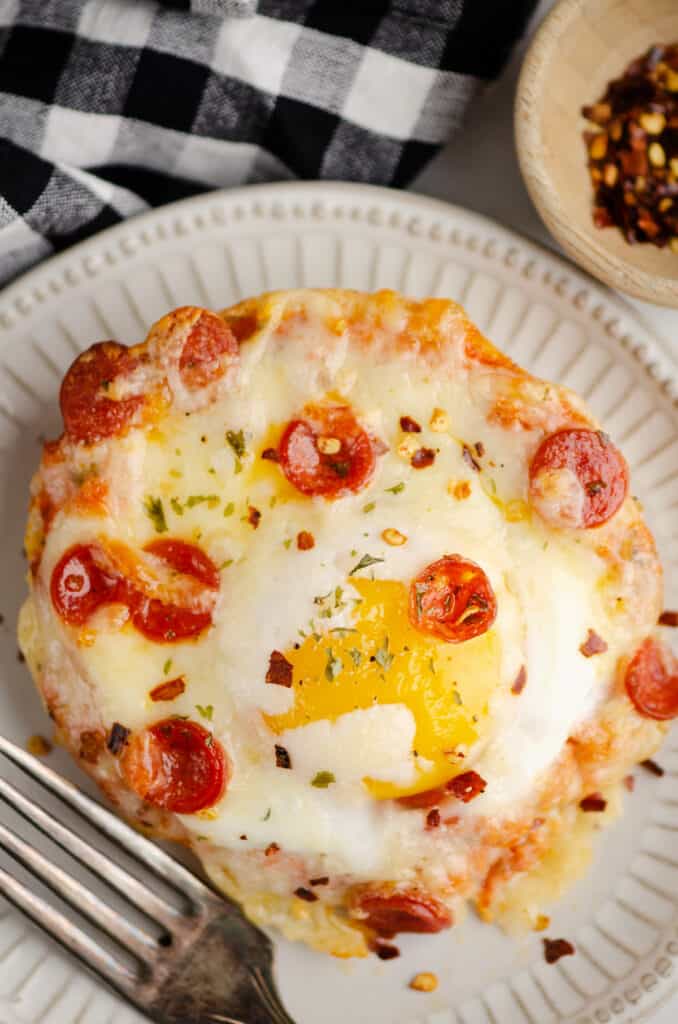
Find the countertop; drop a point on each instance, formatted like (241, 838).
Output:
(479, 170)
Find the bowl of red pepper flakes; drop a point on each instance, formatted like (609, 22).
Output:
(596, 123)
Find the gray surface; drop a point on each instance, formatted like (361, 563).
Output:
(480, 171)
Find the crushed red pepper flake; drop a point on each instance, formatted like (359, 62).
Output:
(282, 757)
(668, 618)
(305, 540)
(467, 786)
(433, 818)
(480, 449)
(593, 802)
(323, 880)
(270, 454)
(520, 681)
(385, 951)
(305, 894)
(271, 849)
(593, 644)
(422, 458)
(653, 767)
(253, 516)
(630, 783)
(633, 153)
(279, 670)
(409, 426)
(554, 949)
(468, 458)
(169, 690)
(117, 738)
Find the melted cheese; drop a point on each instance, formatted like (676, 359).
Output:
(424, 711)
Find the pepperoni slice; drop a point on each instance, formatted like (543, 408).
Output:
(80, 584)
(170, 623)
(326, 452)
(391, 912)
(652, 682)
(88, 411)
(578, 479)
(176, 765)
(202, 358)
(452, 599)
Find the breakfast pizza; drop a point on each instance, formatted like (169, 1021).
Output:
(327, 588)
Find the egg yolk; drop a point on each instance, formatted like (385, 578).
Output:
(381, 659)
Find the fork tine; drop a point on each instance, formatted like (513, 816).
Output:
(115, 876)
(110, 968)
(81, 899)
(110, 826)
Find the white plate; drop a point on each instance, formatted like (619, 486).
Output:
(214, 250)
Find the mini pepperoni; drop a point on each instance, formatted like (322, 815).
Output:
(452, 599)
(176, 765)
(327, 452)
(578, 479)
(389, 913)
(89, 412)
(80, 585)
(652, 682)
(204, 355)
(169, 623)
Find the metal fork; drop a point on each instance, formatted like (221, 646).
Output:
(210, 964)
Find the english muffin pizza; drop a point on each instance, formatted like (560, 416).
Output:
(327, 588)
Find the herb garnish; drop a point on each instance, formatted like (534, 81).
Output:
(322, 780)
(383, 657)
(236, 439)
(364, 563)
(396, 489)
(212, 500)
(177, 507)
(156, 514)
(371, 505)
(333, 667)
(229, 510)
(167, 666)
(267, 815)
(206, 711)
(356, 656)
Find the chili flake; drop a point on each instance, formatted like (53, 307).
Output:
(520, 680)
(279, 670)
(593, 644)
(282, 757)
(305, 894)
(253, 516)
(633, 153)
(270, 454)
(409, 426)
(653, 767)
(594, 802)
(668, 619)
(433, 818)
(422, 458)
(554, 949)
(271, 849)
(305, 540)
(467, 456)
(169, 690)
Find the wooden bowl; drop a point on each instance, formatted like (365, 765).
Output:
(580, 46)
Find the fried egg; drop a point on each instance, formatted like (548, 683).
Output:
(328, 588)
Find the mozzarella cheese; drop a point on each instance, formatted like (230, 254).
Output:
(377, 709)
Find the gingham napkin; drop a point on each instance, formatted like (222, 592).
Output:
(108, 107)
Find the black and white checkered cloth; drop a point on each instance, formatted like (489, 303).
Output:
(108, 107)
